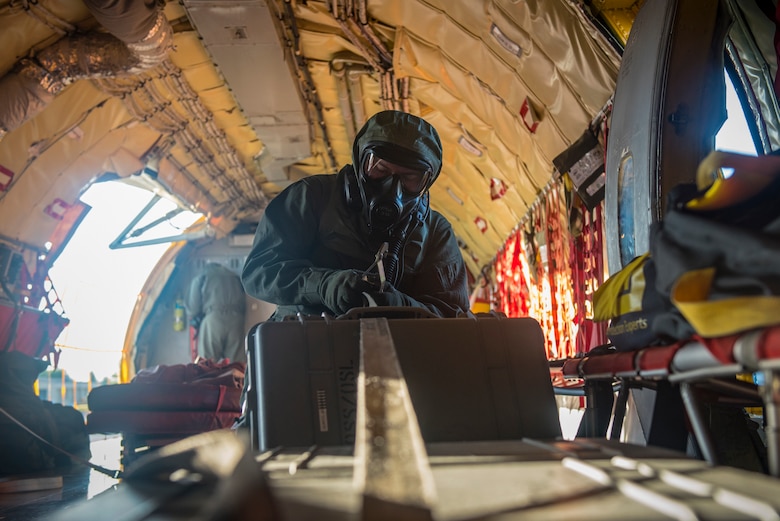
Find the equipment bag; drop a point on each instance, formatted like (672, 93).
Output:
(717, 251)
(635, 309)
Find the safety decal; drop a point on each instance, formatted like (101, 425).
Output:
(6, 176)
(57, 209)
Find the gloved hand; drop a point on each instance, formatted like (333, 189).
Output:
(196, 320)
(389, 297)
(342, 290)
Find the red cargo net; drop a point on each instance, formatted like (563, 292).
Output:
(546, 272)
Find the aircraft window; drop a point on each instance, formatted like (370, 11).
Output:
(734, 135)
(164, 219)
(626, 199)
(751, 64)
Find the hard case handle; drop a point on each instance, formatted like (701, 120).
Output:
(387, 312)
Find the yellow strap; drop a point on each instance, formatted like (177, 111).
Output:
(622, 292)
(714, 318)
(751, 175)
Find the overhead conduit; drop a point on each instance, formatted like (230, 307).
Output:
(140, 38)
(348, 70)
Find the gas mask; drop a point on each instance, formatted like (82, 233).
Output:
(392, 192)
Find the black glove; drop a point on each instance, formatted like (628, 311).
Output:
(389, 297)
(196, 320)
(342, 290)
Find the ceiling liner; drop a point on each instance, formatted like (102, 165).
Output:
(228, 136)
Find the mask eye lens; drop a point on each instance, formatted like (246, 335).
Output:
(413, 182)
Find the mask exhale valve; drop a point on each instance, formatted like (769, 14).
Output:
(386, 208)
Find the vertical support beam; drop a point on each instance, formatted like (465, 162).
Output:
(251, 404)
(668, 428)
(619, 411)
(598, 408)
(770, 393)
(698, 424)
(391, 463)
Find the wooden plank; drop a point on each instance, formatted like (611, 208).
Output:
(391, 463)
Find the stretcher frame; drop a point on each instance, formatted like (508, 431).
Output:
(689, 367)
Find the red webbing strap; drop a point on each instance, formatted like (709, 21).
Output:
(721, 348)
(220, 400)
(571, 367)
(769, 344)
(610, 365)
(657, 359)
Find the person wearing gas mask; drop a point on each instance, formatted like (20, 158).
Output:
(365, 236)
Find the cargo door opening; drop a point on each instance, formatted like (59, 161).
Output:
(99, 286)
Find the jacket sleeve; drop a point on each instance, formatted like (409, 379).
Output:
(441, 285)
(278, 269)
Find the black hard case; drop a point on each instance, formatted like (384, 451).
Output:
(483, 378)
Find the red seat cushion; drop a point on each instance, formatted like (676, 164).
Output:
(164, 397)
(158, 422)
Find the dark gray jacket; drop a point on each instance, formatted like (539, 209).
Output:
(308, 231)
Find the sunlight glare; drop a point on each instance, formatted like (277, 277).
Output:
(99, 286)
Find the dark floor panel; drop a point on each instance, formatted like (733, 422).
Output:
(78, 484)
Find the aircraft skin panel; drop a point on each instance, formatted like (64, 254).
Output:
(242, 41)
(64, 162)
(508, 154)
(482, 106)
(454, 73)
(590, 73)
(462, 74)
(278, 92)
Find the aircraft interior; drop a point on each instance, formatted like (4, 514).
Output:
(582, 140)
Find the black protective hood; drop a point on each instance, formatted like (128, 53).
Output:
(403, 138)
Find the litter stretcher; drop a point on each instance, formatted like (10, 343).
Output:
(701, 370)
